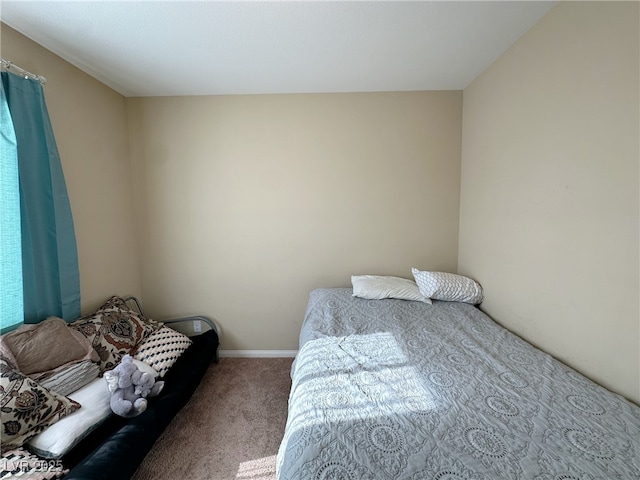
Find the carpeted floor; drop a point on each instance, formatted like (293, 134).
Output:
(230, 429)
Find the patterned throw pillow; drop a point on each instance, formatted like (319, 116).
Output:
(162, 349)
(114, 330)
(448, 286)
(27, 407)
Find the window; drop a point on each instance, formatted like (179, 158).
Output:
(11, 303)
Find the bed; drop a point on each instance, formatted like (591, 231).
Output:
(90, 442)
(397, 389)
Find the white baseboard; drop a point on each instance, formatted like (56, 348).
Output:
(257, 353)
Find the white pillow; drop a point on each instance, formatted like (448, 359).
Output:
(377, 287)
(146, 368)
(448, 286)
(61, 437)
(65, 434)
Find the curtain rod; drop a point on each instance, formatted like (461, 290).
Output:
(21, 71)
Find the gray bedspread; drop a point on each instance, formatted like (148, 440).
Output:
(392, 389)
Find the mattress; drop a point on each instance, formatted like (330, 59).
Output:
(395, 389)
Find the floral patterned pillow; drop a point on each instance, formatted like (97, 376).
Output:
(114, 330)
(27, 408)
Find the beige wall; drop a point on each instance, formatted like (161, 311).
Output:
(549, 205)
(249, 202)
(89, 123)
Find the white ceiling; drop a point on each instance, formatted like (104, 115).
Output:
(152, 48)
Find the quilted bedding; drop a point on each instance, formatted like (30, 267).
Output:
(394, 389)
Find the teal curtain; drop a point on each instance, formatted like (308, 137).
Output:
(51, 283)
(11, 309)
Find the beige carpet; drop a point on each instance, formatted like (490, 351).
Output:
(230, 429)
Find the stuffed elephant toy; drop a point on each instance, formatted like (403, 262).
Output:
(130, 388)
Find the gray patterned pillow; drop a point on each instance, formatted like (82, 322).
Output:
(162, 348)
(448, 286)
(27, 407)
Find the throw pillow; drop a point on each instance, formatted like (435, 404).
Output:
(27, 407)
(47, 345)
(162, 348)
(114, 330)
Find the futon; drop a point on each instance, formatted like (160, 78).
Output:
(48, 435)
